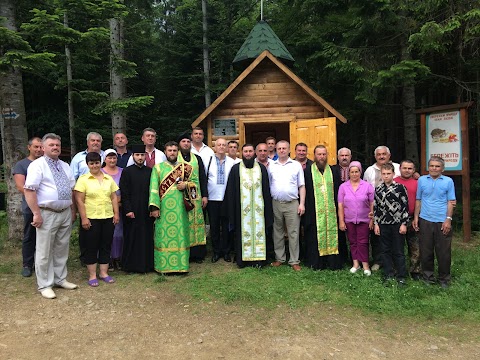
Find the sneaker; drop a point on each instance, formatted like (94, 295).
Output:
(367, 272)
(444, 285)
(26, 271)
(375, 267)
(353, 270)
(402, 283)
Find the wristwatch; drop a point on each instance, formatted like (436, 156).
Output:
(449, 218)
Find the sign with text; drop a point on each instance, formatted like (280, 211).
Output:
(443, 138)
(225, 127)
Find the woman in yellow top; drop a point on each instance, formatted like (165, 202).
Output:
(98, 208)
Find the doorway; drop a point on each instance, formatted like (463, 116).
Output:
(257, 132)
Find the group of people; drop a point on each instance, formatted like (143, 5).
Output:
(142, 209)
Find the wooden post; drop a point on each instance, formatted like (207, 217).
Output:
(467, 224)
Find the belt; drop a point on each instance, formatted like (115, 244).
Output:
(285, 202)
(53, 210)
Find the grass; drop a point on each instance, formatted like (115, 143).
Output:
(271, 288)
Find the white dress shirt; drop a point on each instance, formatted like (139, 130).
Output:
(285, 179)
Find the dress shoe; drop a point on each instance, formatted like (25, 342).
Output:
(296, 267)
(26, 271)
(215, 258)
(68, 285)
(276, 263)
(48, 293)
(227, 258)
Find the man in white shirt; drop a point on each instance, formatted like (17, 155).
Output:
(218, 169)
(199, 148)
(94, 144)
(287, 187)
(261, 153)
(232, 149)
(152, 154)
(382, 156)
(48, 192)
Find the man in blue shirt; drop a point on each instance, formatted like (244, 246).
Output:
(433, 218)
(78, 164)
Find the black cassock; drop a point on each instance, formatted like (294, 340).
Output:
(138, 232)
(312, 256)
(231, 206)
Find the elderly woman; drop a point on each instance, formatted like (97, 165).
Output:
(98, 208)
(110, 167)
(355, 207)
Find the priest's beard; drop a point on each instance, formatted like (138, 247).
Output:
(185, 154)
(321, 165)
(249, 162)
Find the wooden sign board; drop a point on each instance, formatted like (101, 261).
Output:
(444, 133)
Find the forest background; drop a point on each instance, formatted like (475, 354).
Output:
(98, 65)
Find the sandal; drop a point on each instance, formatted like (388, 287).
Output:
(93, 283)
(108, 279)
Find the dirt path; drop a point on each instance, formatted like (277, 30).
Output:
(148, 320)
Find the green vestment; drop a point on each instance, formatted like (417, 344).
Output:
(326, 220)
(172, 243)
(195, 217)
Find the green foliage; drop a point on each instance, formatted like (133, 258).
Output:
(404, 72)
(130, 104)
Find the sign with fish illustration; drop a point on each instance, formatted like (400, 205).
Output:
(443, 130)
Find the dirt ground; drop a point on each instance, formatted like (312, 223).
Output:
(145, 319)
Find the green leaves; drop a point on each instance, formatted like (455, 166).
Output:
(405, 72)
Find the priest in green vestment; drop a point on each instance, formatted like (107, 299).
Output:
(167, 185)
(197, 177)
(321, 229)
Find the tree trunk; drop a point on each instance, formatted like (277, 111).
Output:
(408, 112)
(206, 60)
(14, 129)
(71, 114)
(117, 80)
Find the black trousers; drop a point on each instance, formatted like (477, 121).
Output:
(376, 248)
(434, 242)
(97, 242)
(29, 241)
(218, 228)
(392, 249)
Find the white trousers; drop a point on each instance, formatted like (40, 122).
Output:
(51, 254)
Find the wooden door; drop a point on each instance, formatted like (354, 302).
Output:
(315, 132)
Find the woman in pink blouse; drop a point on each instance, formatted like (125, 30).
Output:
(355, 206)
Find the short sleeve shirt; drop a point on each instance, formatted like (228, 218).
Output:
(434, 195)
(285, 179)
(98, 204)
(21, 169)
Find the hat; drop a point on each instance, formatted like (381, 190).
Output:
(138, 149)
(355, 164)
(185, 135)
(108, 152)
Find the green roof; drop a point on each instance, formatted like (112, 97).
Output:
(262, 38)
